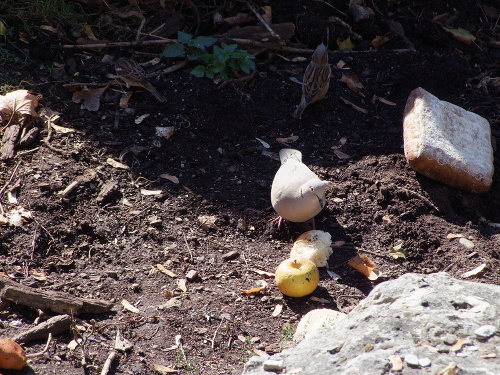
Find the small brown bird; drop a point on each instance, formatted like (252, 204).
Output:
(316, 79)
(133, 74)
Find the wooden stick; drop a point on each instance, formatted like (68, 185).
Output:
(63, 303)
(108, 363)
(55, 325)
(262, 20)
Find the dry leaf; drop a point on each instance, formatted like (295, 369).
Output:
(263, 143)
(332, 275)
(451, 369)
(341, 64)
(365, 266)
(38, 274)
(263, 273)
(451, 236)
(207, 222)
(116, 164)
(19, 102)
(272, 155)
(164, 369)
(398, 251)
(128, 306)
(141, 118)
(385, 101)
(320, 300)
(165, 131)
(353, 105)
(62, 129)
(181, 284)
(421, 343)
(277, 310)
(396, 362)
(169, 177)
(379, 41)
(262, 287)
(387, 219)
(476, 271)
(458, 345)
(291, 139)
(352, 81)
(340, 154)
(150, 192)
(91, 97)
(337, 200)
(165, 271)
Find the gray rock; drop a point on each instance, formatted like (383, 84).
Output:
(409, 315)
(485, 332)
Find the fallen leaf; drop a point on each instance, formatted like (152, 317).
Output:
(272, 155)
(333, 275)
(365, 266)
(116, 164)
(62, 129)
(169, 177)
(128, 306)
(277, 310)
(340, 154)
(421, 343)
(264, 273)
(207, 222)
(91, 97)
(291, 139)
(141, 118)
(396, 362)
(398, 251)
(451, 236)
(181, 284)
(345, 45)
(385, 101)
(121, 343)
(476, 271)
(262, 287)
(19, 102)
(352, 81)
(387, 219)
(458, 345)
(263, 143)
(150, 192)
(164, 369)
(379, 41)
(124, 99)
(320, 300)
(338, 200)
(341, 64)
(461, 34)
(167, 272)
(38, 274)
(357, 108)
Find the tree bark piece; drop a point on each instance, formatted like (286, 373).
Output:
(59, 302)
(9, 141)
(55, 325)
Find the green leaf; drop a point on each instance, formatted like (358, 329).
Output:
(398, 251)
(199, 71)
(203, 41)
(229, 47)
(173, 50)
(184, 37)
(3, 29)
(462, 35)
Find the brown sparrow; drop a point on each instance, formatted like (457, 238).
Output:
(316, 79)
(133, 74)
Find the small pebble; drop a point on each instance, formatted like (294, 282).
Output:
(467, 243)
(424, 362)
(273, 365)
(16, 323)
(485, 332)
(412, 360)
(231, 255)
(191, 275)
(450, 339)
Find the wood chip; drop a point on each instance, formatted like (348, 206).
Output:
(128, 306)
(277, 310)
(165, 271)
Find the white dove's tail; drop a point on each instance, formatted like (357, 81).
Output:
(289, 153)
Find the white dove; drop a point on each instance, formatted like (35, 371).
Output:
(297, 194)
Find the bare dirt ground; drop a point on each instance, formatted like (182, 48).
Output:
(110, 249)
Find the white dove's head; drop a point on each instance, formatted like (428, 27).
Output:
(314, 190)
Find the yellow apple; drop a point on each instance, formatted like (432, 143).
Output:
(297, 277)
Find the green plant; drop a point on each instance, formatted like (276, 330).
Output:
(288, 332)
(216, 61)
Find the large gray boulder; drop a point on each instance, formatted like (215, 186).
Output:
(420, 319)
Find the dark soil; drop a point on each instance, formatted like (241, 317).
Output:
(109, 250)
